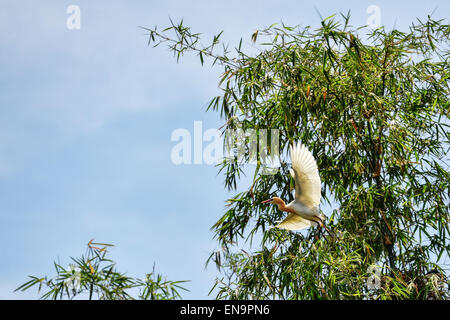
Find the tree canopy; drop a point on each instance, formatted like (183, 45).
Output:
(372, 106)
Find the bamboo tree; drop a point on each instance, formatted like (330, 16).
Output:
(372, 106)
(94, 276)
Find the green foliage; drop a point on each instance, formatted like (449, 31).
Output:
(95, 276)
(372, 106)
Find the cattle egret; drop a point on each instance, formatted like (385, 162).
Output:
(304, 210)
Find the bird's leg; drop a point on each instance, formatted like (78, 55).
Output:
(322, 225)
(320, 231)
(319, 228)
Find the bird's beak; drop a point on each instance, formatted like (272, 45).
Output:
(267, 201)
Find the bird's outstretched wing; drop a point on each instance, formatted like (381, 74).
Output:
(306, 175)
(295, 222)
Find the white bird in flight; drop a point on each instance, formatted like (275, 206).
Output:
(304, 210)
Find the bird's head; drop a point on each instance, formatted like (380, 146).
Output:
(274, 200)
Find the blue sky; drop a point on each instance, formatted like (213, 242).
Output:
(86, 118)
